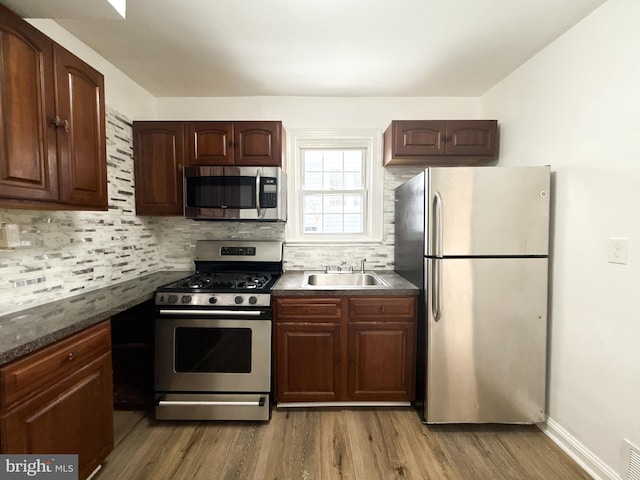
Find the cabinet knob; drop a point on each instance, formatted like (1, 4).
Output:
(73, 354)
(382, 309)
(58, 123)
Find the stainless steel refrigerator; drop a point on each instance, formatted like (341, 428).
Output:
(476, 240)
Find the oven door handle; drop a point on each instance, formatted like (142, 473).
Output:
(186, 403)
(213, 313)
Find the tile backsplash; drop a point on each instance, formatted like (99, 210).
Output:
(65, 252)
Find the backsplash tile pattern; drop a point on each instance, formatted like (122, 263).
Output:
(65, 253)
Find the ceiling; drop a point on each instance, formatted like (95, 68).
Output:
(203, 48)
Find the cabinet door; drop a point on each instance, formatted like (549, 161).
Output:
(381, 361)
(308, 362)
(258, 143)
(74, 417)
(158, 150)
(418, 138)
(209, 143)
(28, 155)
(82, 163)
(472, 138)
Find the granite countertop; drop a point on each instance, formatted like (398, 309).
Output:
(28, 330)
(290, 283)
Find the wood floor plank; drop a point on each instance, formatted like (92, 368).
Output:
(328, 444)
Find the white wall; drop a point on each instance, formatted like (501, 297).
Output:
(319, 112)
(121, 93)
(576, 106)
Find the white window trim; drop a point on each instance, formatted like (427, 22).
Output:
(371, 140)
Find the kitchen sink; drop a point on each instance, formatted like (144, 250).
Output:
(341, 280)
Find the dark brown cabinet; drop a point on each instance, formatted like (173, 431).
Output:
(158, 149)
(58, 400)
(162, 148)
(309, 349)
(52, 128)
(345, 349)
(440, 142)
(382, 348)
(234, 143)
(132, 335)
(81, 136)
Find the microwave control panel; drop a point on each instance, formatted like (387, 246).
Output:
(268, 192)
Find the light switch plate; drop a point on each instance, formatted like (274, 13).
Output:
(619, 250)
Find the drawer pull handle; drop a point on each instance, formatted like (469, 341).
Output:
(382, 309)
(73, 355)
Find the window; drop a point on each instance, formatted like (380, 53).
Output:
(335, 186)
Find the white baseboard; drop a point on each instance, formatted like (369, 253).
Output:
(576, 450)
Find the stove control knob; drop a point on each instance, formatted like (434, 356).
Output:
(212, 300)
(253, 300)
(173, 299)
(186, 299)
(239, 300)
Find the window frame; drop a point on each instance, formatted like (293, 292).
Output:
(369, 139)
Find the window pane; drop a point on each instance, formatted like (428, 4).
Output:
(333, 204)
(352, 181)
(312, 204)
(312, 160)
(353, 223)
(333, 161)
(353, 204)
(326, 172)
(333, 181)
(353, 160)
(313, 181)
(332, 223)
(312, 223)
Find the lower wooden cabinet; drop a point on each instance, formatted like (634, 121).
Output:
(345, 349)
(58, 400)
(308, 360)
(381, 361)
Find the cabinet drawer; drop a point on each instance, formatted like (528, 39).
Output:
(43, 368)
(362, 309)
(307, 309)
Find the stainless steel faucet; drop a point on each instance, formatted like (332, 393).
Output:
(362, 265)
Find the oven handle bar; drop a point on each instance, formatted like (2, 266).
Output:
(213, 313)
(167, 403)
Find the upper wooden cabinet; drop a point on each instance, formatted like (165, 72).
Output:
(52, 128)
(162, 148)
(158, 150)
(234, 143)
(440, 142)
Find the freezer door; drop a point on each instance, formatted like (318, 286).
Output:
(486, 340)
(487, 211)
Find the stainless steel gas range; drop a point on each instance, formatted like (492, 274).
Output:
(213, 334)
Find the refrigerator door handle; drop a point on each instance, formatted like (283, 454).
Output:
(437, 225)
(436, 289)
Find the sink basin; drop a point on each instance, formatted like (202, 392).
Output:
(341, 280)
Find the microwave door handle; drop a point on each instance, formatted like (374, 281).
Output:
(258, 193)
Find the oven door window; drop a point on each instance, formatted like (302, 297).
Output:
(221, 192)
(212, 350)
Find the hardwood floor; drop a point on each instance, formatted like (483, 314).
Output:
(312, 444)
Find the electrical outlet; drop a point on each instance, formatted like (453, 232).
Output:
(619, 250)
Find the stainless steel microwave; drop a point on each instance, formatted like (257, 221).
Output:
(235, 193)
